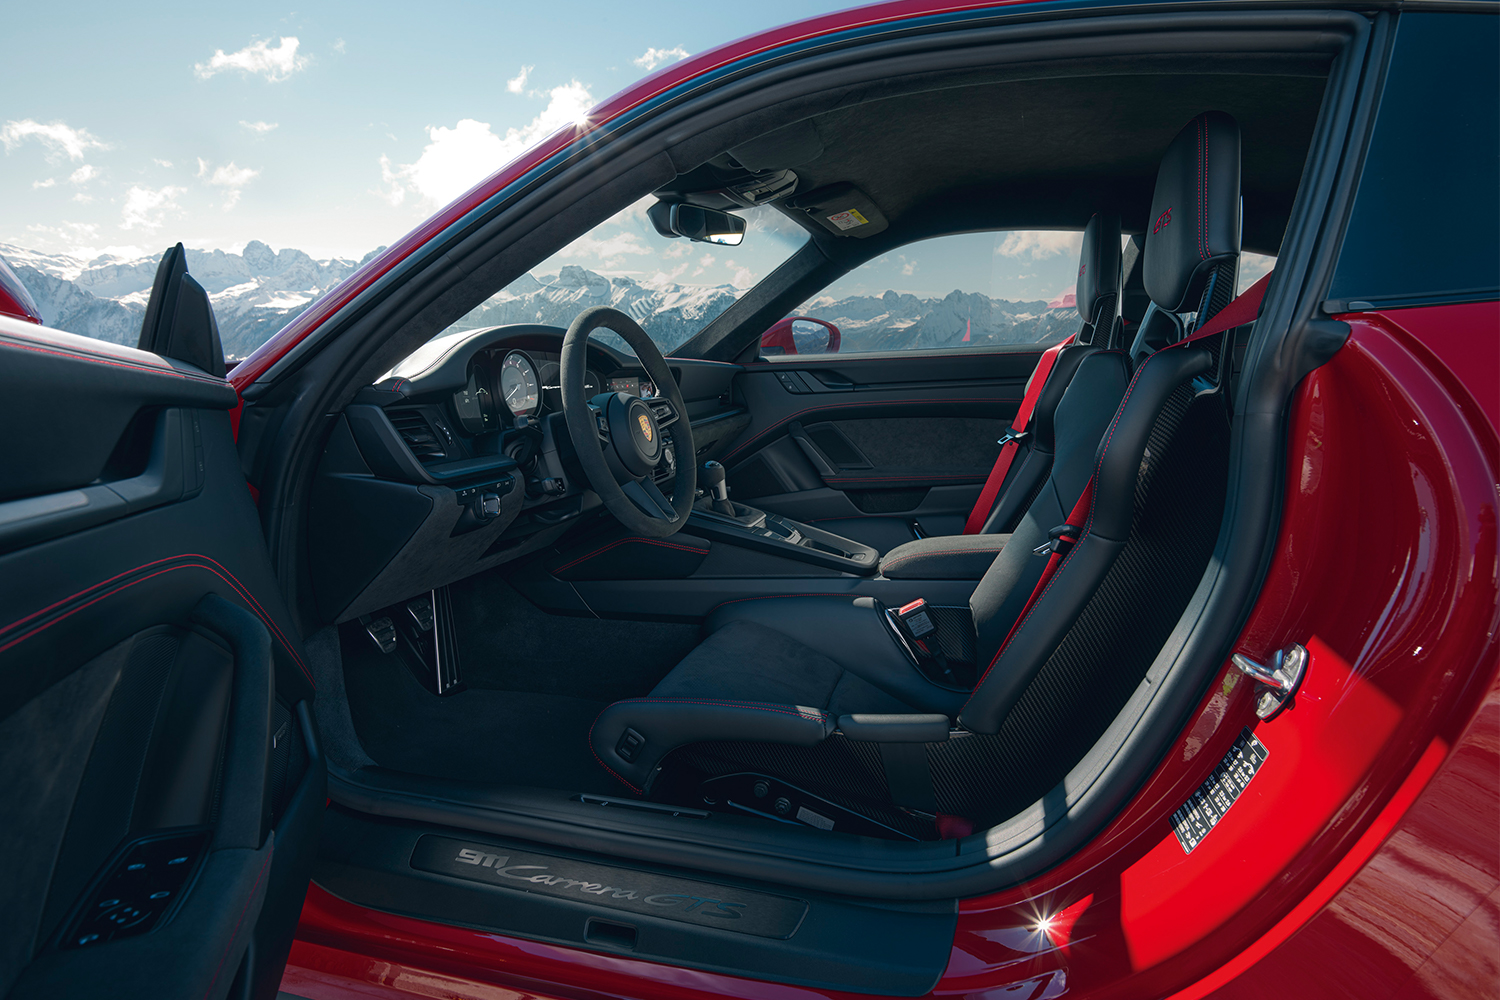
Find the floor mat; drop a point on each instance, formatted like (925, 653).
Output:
(499, 737)
(506, 643)
(521, 719)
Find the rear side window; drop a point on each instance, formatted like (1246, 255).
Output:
(971, 291)
(1427, 212)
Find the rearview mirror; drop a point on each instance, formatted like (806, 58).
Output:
(701, 225)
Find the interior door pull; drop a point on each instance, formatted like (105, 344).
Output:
(813, 452)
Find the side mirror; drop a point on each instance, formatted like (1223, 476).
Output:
(800, 335)
(701, 225)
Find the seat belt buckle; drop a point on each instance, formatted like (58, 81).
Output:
(914, 617)
(1013, 435)
(1059, 538)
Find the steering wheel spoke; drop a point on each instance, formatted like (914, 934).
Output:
(622, 440)
(601, 423)
(650, 500)
(664, 410)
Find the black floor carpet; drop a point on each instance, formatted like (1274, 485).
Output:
(535, 683)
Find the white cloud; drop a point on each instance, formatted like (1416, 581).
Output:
(44, 184)
(458, 158)
(260, 128)
(146, 208)
(1036, 244)
(517, 83)
(57, 138)
(1253, 267)
(338, 46)
(162, 163)
(607, 250)
(228, 176)
(83, 199)
(654, 57)
(257, 58)
(83, 174)
(743, 278)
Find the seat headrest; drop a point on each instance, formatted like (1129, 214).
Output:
(1099, 270)
(1195, 212)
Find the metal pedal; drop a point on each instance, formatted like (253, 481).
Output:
(382, 632)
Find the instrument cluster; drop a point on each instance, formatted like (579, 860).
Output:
(505, 386)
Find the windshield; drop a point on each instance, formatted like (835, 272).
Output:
(670, 286)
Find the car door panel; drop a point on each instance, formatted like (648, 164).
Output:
(150, 681)
(875, 437)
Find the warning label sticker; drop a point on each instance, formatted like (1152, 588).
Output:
(849, 219)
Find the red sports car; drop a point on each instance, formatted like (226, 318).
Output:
(505, 627)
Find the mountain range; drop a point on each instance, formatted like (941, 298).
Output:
(258, 291)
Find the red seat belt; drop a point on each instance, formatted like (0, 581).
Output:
(1077, 517)
(1243, 309)
(1011, 443)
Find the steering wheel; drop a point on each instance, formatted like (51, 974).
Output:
(619, 436)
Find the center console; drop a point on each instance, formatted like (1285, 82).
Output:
(720, 519)
(756, 529)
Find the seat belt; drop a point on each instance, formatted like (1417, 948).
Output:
(1245, 308)
(1011, 443)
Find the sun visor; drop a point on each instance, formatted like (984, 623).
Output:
(843, 210)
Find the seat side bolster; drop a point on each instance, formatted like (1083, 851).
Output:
(1044, 625)
(667, 723)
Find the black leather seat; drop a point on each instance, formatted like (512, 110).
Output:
(1098, 297)
(806, 674)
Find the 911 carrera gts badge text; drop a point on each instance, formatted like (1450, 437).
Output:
(1207, 806)
(575, 882)
(539, 875)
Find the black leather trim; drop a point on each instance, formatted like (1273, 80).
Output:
(1195, 212)
(943, 557)
(870, 728)
(1099, 274)
(1037, 635)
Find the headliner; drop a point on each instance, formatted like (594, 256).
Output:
(958, 155)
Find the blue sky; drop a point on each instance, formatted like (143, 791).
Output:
(337, 129)
(333, 129)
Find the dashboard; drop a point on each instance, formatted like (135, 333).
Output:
(460, 459)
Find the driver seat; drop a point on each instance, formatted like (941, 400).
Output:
(817, 691)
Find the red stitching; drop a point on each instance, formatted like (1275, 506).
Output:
(845, 406)
(1087, 528)
(243, 910)
(611, 770)
(240, 589)
(622, 541)
(131, 365)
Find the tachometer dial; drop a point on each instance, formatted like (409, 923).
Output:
(519, 386)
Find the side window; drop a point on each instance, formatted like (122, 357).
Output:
(973, 291)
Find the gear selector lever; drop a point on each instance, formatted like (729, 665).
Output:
(712, 476)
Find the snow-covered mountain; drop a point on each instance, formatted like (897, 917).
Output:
(257, 292)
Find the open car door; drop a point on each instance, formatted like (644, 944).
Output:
(159, 773)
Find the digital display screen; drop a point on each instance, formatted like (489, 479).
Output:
(633, 384)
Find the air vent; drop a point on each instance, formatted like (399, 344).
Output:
(417, 432)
